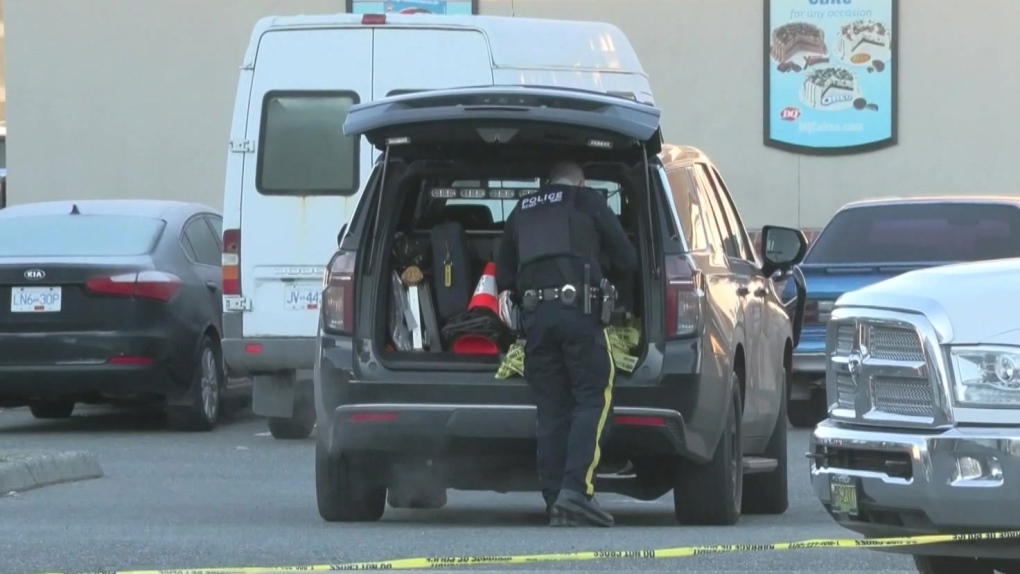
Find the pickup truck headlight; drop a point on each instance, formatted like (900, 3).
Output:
(986, 376)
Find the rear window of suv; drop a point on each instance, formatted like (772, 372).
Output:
(78, 235)
(499, 209)
(919, 233)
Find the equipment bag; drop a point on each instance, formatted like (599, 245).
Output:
(451, 270)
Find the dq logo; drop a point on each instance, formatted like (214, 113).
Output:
(790, 114)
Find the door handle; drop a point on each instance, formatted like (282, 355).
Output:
(743, 291)
(212, 285)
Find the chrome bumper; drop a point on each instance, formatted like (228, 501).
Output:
(809, 363)
(959, 480)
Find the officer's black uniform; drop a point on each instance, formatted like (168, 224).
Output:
(547, 240)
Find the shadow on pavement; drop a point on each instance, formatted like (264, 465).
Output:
(89, 418)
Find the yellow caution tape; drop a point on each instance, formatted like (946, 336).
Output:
(681, 552)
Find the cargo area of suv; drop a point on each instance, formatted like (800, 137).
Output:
(468, 202)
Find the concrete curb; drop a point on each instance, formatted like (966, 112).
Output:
(26, 470)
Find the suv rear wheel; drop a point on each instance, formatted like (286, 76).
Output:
(302, 422)
(51, 409)
(710, 494)
(344, 491)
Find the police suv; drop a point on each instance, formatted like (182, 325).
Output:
(701, 413)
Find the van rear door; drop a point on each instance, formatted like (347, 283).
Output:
(303, 179)
(412, 59)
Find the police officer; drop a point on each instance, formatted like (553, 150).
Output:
(551, 241)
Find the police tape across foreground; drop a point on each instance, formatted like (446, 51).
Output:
(661, 553)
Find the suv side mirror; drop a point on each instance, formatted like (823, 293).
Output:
(782, 248)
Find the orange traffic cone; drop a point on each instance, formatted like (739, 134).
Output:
(485, 298)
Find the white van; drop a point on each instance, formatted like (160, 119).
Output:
(293, 178)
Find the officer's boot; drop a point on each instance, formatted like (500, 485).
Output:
(550, 513)
(579, 510)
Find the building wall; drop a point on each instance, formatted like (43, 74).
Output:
(121, 98)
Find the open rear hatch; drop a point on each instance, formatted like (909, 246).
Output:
(472, 152)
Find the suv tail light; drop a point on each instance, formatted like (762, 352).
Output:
(683, 297)
(157, 285)
(338, 294)
(373, 19)
(231, 261)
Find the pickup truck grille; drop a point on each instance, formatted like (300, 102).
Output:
(879, 372)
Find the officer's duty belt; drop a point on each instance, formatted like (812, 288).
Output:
(565, 292)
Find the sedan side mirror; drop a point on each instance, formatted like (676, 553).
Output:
(782, 248)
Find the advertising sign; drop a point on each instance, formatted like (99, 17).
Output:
(459, 7)
(830, 75)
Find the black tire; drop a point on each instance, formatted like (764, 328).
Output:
(951, 565)
(206, 392)
(806, 414)
(768, 493)
(51, 409)
(344, 492)
(300, 424)
(430, 500)
(711, 494)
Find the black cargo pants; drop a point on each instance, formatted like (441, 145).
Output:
(569, 368)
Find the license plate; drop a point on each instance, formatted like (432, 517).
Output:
(303, 297)
(35, 299)
(843, 490)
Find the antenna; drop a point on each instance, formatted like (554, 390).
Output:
(74, 209)
(513, 12)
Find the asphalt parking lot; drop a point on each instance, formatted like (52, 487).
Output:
(236, 497)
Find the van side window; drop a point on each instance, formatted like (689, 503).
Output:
(688, 208)
(302, 150)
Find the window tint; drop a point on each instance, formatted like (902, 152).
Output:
(919, 233)
(78, 235)
(217, 228)
(740, 236)
(499, 210)
(202, 241)
(688, 208)
(726, 226)
(303, 150)
(716, 231)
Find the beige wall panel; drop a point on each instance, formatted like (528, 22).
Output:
(121, 98)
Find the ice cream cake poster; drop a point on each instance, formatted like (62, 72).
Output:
(457, 7)
(830, 81)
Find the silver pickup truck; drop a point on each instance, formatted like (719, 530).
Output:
(923, 434)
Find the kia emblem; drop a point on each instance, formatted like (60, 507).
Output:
(34, 274)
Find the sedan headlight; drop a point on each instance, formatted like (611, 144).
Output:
(986, 376)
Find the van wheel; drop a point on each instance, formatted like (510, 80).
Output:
(206, 391)
(710, 494)
(343, 489)
(51, 409)
(768, 493)
(299, 425)
(951, 565)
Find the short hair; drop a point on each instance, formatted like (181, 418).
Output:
(567, 170)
